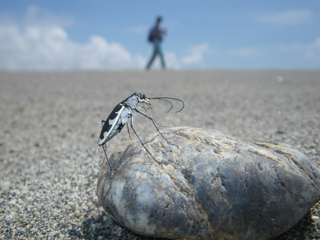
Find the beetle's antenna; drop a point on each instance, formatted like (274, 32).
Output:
(105, 153)
(166, 99)
(171, 105)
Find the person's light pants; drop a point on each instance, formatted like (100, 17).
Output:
(157, 51)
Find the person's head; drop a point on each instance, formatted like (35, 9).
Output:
(159, 19)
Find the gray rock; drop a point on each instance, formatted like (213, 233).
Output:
(209, 186)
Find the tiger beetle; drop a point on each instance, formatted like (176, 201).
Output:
(122, 114)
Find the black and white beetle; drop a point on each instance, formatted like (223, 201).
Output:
(122, 114)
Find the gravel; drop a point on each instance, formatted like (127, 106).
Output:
(50, 122)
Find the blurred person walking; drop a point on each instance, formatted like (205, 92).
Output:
(155, 37)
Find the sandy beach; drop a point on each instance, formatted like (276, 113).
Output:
(51, 121)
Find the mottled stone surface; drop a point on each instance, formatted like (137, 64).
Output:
(212, 186)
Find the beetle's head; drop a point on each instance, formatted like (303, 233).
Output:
(136, 98)
(142, 98)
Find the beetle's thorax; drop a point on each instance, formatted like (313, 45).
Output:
(131, 102)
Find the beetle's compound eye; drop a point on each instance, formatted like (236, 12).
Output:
(141, 95)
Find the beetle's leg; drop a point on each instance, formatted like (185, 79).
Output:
(105, 153)
(154, 123)
(129, 131)
(150, 117)
(152, 120)
(131, 125)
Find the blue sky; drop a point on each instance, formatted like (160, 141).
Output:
(112, 35)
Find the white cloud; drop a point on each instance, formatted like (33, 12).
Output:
(42, 18)
(39, 41)
(46, 49)
(172, 61)
(308, 51)
(245, 52)
(40, 44)
(196, 54)
(299, 54)
(313, 50)
(292, 17)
